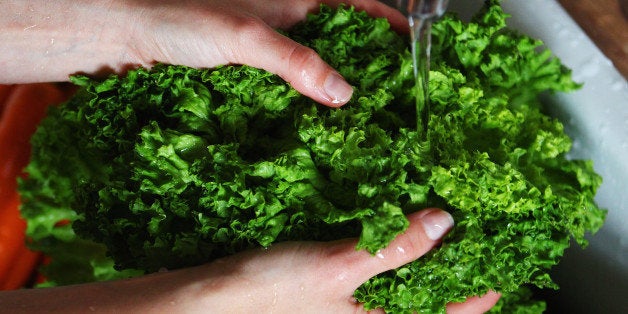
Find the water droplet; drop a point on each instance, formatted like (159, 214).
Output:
(563, 32)
(618, 85)
(275, 288)
(589, 69)
(342, 276)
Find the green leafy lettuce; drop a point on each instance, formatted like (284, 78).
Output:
(174, 166)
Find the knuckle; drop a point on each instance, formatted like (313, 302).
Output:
(250, 29)
(412, 244)
(301, 57)
(247, 30)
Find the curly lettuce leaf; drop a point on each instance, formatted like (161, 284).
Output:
(173, 166)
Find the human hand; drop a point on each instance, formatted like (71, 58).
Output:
(243, 32)
(290, 277)
(49, 41)
(297, 277)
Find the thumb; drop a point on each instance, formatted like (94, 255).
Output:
(300, 66)
(425, 231)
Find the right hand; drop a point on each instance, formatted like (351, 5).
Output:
(46, 41)
(216, 32)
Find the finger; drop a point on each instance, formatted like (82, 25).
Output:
(293, 12)
(260, 46)
(477, 304)
(359, 308)
(425, 230)
(376, 9)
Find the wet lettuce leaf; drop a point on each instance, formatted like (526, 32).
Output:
(173, 166)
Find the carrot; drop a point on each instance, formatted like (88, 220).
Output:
(5, 91)
(11, 236)
(17, 262)
(22, 271)
(23, 108)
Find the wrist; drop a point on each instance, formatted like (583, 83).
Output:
(49, 41)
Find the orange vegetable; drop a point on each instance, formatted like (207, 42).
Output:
(17, 262)
(22, 109)
(22, 271)
(11, 237)
(5, 91)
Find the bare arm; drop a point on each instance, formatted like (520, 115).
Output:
(46, 41)
(51, 40)
(291, 277)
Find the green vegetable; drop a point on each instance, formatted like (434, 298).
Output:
(174, 166)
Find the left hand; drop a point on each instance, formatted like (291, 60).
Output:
(290, 277)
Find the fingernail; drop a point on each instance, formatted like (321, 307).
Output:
(436, 223)
(338, 90)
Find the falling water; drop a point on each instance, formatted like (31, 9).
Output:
(420, 36)
(421, 14)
